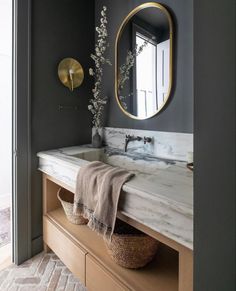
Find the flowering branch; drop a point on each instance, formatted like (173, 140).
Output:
(98, 101)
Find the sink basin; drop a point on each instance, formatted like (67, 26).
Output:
(139, 163)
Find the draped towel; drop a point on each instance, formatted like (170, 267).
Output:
(97, 193)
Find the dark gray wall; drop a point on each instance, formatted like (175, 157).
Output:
(178, 115)
(60, 29)
(215, 145)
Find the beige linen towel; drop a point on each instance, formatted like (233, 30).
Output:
(97, 192)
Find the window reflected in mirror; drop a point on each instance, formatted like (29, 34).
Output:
(144, 64)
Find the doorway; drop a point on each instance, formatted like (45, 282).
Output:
(5, 131)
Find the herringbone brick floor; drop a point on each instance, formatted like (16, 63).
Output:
(44, 272)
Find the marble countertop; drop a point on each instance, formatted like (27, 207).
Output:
(160, 195)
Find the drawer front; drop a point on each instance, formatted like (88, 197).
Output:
(70, 253)
(97, 278)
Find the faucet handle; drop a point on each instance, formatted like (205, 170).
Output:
(139, 138)
(147, 140)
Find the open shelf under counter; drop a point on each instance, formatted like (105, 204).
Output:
(85, 254)
(159, 275)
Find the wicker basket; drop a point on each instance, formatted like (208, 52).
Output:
(131, 248)
(66, 199)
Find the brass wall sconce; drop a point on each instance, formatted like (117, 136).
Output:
(71, 73)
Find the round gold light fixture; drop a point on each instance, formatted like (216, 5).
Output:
(71, 73)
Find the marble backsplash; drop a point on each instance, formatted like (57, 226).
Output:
(167, 145)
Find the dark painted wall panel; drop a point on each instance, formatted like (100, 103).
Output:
(178, 115)
(215, 145)
(60, 29)
(21, 232)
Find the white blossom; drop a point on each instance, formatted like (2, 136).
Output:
(91, 72)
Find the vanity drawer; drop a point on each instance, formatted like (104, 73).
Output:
(98, 278)
(68, 251)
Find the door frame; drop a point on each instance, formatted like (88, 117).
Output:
(21, 197)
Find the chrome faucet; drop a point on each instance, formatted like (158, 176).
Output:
(129, 138)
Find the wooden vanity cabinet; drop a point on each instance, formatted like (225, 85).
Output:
(85, 254)
(98, 278)
(68, 251)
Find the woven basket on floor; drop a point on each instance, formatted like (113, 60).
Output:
(131, 248)
(66, 198)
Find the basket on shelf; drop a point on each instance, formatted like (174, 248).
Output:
(131, 248)
(66, 198)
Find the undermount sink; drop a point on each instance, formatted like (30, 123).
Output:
(136, 162)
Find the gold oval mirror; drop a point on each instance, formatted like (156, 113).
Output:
(143, 68)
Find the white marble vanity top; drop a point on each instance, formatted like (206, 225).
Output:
(160, 195)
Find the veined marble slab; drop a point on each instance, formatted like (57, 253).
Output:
(159, 196)
(169, 145)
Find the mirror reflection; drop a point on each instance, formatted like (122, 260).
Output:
(144, 45)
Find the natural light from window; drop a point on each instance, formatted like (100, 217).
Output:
(146, 78)
(5, 127)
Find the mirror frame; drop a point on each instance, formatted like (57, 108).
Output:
(119, 33)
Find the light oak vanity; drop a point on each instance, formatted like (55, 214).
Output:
(84, 252)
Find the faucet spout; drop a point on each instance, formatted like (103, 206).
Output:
(129, 138)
